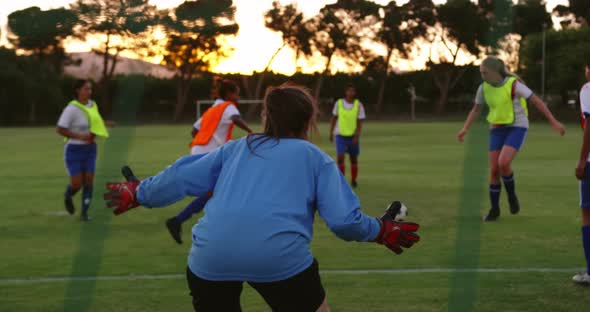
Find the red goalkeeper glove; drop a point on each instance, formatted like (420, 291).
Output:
(122, 195)
(395, 234)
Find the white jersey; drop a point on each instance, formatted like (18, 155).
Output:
(361, 115)
(75, 120)
(221, 132)
(585, 103)
(520, 90)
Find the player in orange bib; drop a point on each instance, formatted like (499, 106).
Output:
(211, 131)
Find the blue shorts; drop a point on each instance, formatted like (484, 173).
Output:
(511, 136)
(80, 158)
(344, 145)
(585, 189)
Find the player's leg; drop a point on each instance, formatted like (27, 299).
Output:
(74, 169)
(302, 292)
(174, 224)
(354, 151)
(495, 186)
(214, 295)
(584, 277)
(88, 184)
(340, 151)
(89, 166)
(514, 141)
(505, 164)
(71, 190)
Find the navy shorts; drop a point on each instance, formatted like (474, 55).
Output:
(585, 189)
(344, 145)
(511, 136)
(80, 158)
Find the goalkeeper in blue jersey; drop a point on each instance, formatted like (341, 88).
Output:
(257, 226)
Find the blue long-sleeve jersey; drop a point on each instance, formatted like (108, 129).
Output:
(258, 224)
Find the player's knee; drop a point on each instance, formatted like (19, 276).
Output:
(495, 172)
(340, 159)
(324, 307)
(75, 185)
(504, 167)
(586, 217)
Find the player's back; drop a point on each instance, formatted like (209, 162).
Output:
(258, 224)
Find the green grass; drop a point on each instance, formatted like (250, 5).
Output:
(421, 164)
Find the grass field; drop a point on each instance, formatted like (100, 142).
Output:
(421, 164)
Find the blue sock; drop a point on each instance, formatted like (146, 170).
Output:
(509, 184)
(86, 198)
(586, 243)
(194, 207)
(495, 190)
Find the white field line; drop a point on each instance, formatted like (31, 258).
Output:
(58, 279)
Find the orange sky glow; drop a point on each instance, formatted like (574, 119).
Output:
(252, 46)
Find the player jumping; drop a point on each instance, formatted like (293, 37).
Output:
(507, 97)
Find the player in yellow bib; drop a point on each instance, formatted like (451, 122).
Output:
(347, 121)
(507, 98)
(80, 122)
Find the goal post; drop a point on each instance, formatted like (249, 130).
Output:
(202, 105)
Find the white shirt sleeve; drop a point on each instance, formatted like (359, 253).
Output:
(362, 115)
(66, 118)
(231, 111)
(479, 98)
(521, 90)
(197, 124)
(335, 109)
(585, 99)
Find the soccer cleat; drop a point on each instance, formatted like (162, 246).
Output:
(175, 228)
(69, 204)
(84, 218)
(353, 184)
(492, 215)
(514, 204)
(582, 278)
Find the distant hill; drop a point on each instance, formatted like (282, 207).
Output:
(91, 67)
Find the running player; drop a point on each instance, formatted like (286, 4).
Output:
(209, 132)
(80, 122)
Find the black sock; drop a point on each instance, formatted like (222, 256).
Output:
(509, 185)
(495, 190)
(69, 192)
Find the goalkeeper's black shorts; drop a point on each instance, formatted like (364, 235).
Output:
(302, 292)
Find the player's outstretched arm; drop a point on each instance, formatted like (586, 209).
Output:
(539, 105)
(238, 121)
(339, 207)
(193, 175)
(473, 114)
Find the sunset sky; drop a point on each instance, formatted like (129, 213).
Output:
(253, 45)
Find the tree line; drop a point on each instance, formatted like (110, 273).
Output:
(350, 31)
